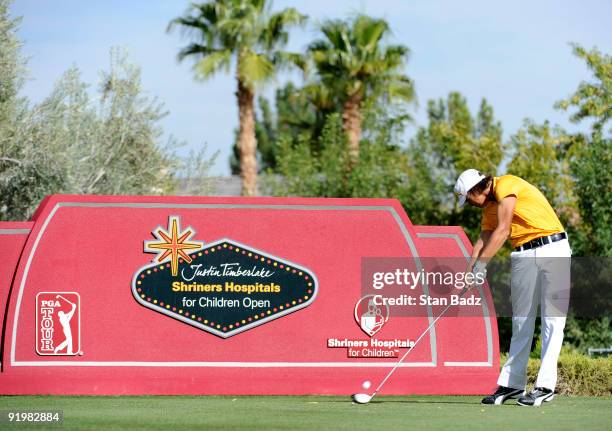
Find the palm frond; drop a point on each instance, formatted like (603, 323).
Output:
(319, 95)
(187, 24)
(194, 49)
(396, 55)
(211, 11)
(368, 32)
(284, 59)
(254, 68)
(260, 6)
(277, 26)
(319, 45)
(212, 63)
(335, 32)
(400, 87)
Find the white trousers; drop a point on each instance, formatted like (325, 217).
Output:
(540, 276)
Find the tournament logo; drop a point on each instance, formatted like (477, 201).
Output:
(58, 323)
(223, 287)
(369, 316)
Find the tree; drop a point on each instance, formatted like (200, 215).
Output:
(353, 65)
(265, 134)
(73, 143)
(70, 144)
(330, 171)
(452, 142)
(587, 160)
(296, 117)
(592, 171)
(593, 99)
(591, 161)
(11, 67)
(540, 155)
(246, 31)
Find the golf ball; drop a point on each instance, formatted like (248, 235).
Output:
(366, 384)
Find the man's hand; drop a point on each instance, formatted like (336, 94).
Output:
(479, 272)
(482, 241)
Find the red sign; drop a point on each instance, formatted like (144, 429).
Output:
(327, 339)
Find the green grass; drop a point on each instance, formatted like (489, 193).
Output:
(313, 413)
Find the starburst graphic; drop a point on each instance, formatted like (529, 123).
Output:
(173, 243)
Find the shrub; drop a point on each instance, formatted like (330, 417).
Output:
(578, 374)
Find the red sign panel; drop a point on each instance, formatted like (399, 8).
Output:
(297, 288)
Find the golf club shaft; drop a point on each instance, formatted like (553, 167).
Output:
(60, 296)
(414, 345)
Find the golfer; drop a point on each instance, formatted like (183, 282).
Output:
(515, 209)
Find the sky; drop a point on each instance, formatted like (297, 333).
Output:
(516, 54)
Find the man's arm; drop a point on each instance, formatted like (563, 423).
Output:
(483, 240)
(69, 315)
(505, 211)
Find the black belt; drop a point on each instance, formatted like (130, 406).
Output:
(543, 240)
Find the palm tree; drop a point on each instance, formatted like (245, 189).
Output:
(247, 33)
(353, 63)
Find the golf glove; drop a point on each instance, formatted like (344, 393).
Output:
(480, 270)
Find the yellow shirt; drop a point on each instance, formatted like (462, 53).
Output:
(533, 216)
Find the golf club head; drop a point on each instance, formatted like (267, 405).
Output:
(361, 398)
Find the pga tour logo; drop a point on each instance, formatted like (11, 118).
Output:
(58, 323)
(369, 316)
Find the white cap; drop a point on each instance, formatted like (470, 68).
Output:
(465, 182)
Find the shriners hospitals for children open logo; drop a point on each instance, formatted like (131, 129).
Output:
(223, 287)
(369, 316)
(58, 323)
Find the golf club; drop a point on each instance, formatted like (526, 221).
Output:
(365, 398)
(60, 296)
